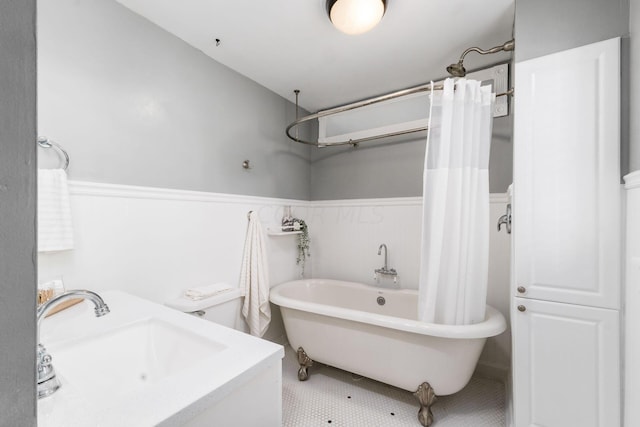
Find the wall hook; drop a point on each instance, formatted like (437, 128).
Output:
(246, 164)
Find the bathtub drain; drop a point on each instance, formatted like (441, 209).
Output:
(381, 301)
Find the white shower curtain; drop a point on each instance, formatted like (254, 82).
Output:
(455, 226)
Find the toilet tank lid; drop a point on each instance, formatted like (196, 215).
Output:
(188, 305)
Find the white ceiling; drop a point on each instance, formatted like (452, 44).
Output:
(291, 44)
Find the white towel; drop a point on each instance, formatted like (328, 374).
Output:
(254, 279)
(55, 232)
(202, 292)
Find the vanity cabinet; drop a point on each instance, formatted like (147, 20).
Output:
(567, 239)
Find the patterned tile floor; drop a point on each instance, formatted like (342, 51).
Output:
(335, 398)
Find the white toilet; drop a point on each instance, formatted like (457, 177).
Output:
(223, 308)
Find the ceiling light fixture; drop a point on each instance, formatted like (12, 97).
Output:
(356, 16)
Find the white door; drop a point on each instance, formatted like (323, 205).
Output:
(566, 370)
(566, 211)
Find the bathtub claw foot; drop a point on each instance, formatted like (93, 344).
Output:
(427, 397)
(305, 362)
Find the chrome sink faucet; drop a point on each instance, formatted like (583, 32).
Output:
(48, 383)
(385, 271)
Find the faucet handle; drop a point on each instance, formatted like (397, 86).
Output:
(45, 371)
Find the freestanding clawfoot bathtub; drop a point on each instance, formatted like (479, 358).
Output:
(374, 332)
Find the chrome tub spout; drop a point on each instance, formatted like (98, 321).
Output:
(385, 271)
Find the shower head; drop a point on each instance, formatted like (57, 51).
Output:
(457, 69)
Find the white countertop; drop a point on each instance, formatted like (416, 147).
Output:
(172, 400)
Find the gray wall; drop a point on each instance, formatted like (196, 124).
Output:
(396, 169)
(135, 105)
(17, 212)
(634, 28)
(547, 26)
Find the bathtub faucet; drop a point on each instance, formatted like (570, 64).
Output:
(385, 271)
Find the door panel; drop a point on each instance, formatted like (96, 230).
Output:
(566, 369)
(566, 213)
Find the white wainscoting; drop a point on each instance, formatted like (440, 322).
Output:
(155, 243)
(632, 303)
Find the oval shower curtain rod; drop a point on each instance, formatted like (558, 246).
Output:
(45, 142)
(365, 103)
(507, 46)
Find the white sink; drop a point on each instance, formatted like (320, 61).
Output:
(130, 358)
(144, 364)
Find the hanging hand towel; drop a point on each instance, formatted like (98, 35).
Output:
(254, 279)
(55, 232)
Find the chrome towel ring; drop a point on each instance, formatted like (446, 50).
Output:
(45, 142)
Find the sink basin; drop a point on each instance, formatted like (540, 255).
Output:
(130, 358)
(147, 365)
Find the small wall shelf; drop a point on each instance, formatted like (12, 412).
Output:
(282, 233)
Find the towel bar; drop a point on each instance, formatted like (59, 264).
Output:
(45, 142)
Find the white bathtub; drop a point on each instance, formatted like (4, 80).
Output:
(341, 324)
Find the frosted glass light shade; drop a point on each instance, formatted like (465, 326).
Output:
(355, 16)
